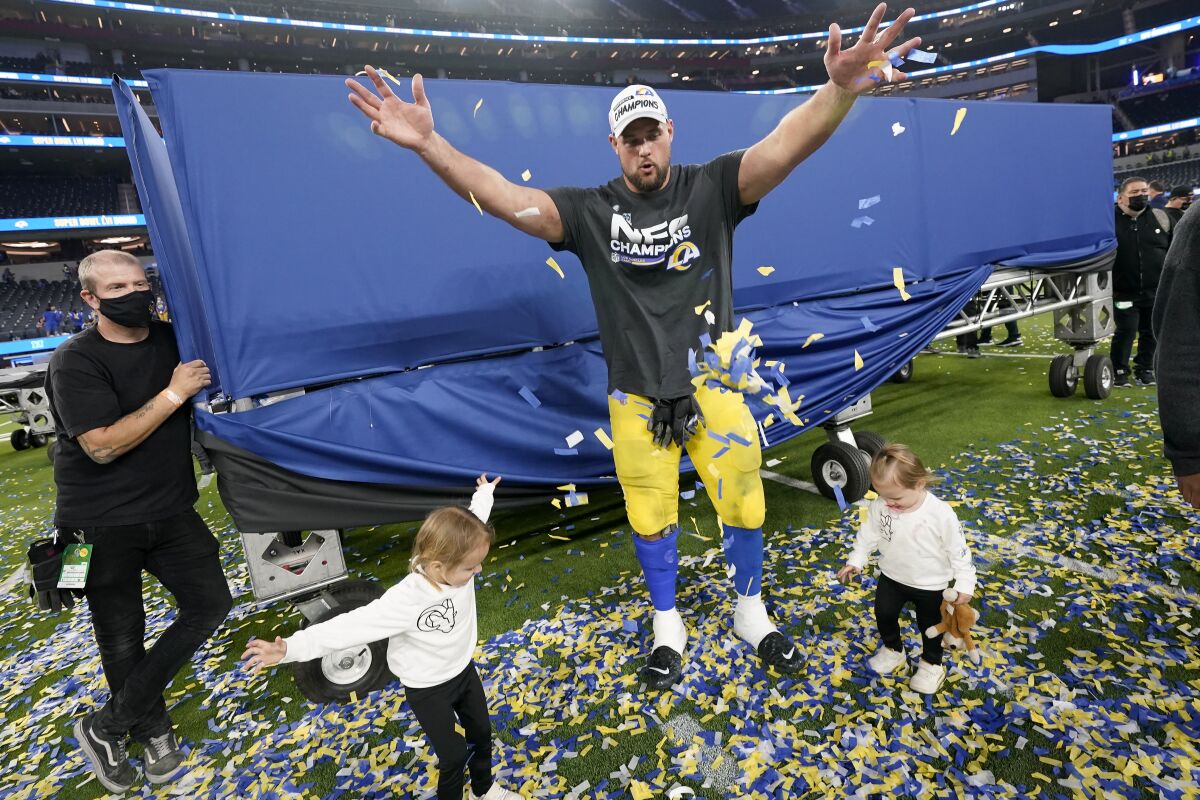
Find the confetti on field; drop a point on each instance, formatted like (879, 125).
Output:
(475, 203)
(858, 362)
(532, 211)
(1087, 686)
(898, 282)
(812, 337)
(526, 175)
(552, 264)
(867, 202)
(529, 396)
(859, 222)
(959, 116)
(840, 497)
(477, 107)
(897, 129)
(765, 271)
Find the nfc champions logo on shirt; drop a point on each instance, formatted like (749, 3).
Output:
(665, 243)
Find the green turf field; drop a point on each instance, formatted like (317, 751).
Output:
(1088, 586)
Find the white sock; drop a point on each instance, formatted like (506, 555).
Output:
(750, 620)
(669, 630)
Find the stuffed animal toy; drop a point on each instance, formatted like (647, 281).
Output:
(956, 625)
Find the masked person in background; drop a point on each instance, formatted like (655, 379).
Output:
(1143, 236)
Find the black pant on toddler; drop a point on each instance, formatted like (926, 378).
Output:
(890, 598)
(437, 708)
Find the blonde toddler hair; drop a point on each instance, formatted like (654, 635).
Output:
(447, 535)
(899, 463)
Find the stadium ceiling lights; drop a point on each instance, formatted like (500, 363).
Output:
(508, 37)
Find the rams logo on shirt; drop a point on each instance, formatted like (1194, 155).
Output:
(683, 255)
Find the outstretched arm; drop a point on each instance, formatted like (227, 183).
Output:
(410, 125)
(807, 127)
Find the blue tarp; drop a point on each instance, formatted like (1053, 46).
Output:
(298, 249)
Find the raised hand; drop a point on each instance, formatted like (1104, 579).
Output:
(851, 69)
(482, 481)
(409, 125)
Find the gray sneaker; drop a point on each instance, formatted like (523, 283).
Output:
(107, 755)
(163, 758)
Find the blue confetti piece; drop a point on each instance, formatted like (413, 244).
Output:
(867, 202)
(841, 498)
(733, 437)
(565, 451)
(688, 495)
(719, 482)
(895, 59)
(858, 222)
(707, 274)
(529, 396)
(705, 340)
(619, 396)
(630, 626)
(921, 56)
(866, 323)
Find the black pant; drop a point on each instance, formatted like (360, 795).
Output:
(182, 553)
(890, 597)
(1012, 328)
(435, 708)
(1133, 321)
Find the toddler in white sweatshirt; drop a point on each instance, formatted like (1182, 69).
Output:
(921, 549)
(429, 621)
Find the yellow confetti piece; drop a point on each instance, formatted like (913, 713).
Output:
(550, 262)
(858, 362)
(475, 203)
(556, 503)
(812, 337)
(958, 118)
(874, 64)
(765, 271)
(640, 791)
(559, 538)
(477, 105)
(898, 282)
(526, 175)
(603, 437)
(700, 309)
(389, 76)
(712, 470)
(566, 487)
(354, 697)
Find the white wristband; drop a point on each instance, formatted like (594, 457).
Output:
(174, 398)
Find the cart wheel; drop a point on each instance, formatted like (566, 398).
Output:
(52, 450)
(361, 669)
(1064, 378)
(840, 464)
(869, 442)
(1098, 377)
(20, 439)
(37, 440)
(903, 375)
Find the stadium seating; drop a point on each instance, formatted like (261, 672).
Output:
(49, 196)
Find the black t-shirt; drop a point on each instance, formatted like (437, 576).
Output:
(651, 260)
(92, 383)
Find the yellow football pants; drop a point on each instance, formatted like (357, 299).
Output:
(649, 474)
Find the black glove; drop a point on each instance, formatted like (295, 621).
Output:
(45, 564)
(674, 419)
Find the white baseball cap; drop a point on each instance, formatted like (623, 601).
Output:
(635, 102)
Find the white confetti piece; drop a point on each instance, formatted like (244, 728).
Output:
(532, 211)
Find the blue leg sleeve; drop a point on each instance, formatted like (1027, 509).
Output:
(660, 564)
(744, 551)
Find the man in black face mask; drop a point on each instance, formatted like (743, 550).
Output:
(126, 488)
(1143, 236)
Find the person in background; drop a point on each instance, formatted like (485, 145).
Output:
(1143, 236)
(1157, 194)
(1177, 327)
(1180, 201)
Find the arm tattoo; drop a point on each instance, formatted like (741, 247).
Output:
(106, 455)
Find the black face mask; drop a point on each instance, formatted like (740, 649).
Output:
(1138, 202)
(131, 310)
